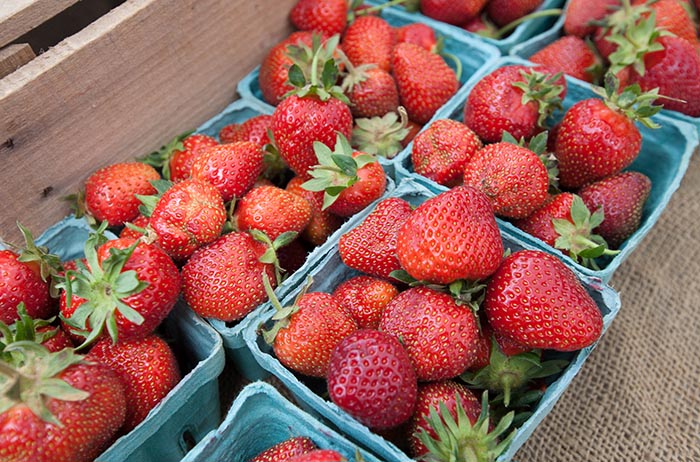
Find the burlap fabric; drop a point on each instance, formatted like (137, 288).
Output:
(637, 398)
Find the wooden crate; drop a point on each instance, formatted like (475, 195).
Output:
(119, 88)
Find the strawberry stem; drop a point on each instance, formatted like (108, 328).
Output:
(537, 14)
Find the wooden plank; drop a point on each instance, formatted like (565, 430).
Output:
(12, 57)
(17, 17)
(148, 70)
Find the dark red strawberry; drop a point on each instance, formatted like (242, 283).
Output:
(127, 288)
(254, 130)
(148, 369)
(370, 247)
(274, 69)
(273, 211)
(292, 256)
(325, 16)
(424, 80)
(539, 223)
(503, 12)
(110, 192)
(419, 34)
(450, 11)
(622, 199)
(439, 335)
(571, 55)
(441, 151)
(232, 167)
(372, 92)
(223, 280)
(389, 397)
(322, 223)
(319, 455)
(286, 449)
(181, 160)
(553, 310)
(21, 282)
(369, 40)
(451, 236)
(365, 298)
(581, 13)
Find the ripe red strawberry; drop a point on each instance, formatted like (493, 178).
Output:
(110, 192)
(485, 345)
(126, 290)
(369, 40)
(513, 178)
(272, 77)
(187, 216)
(441, 151)
(326, 16)
(370, 247)
(439, 335)
(672, 16)
(419, 34)
(140, 222)
(424, 80)
(450, 11)
(580, 13)
(370, 376)
(286, 449)
(232, 167)
(539, 223)
(553, 311)
(319, 455)
(364, 298)
(181, 160)
(146, 366)
(622, 199)
(372, 92)
(55, 338)
(273, 211)
(309, 330)
(571, 55)
(514, 99)
(254, 129)
(22, 282)
(74, 422)
(598, 138)
(26, 328)
(223, 280)
(451, 236)
(292, 256)
(322, 223)
(503, 12)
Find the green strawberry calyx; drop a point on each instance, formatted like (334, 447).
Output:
(543, 89)
(409, 5)
(336, 170)
(507, 374)
(634, 103)
(464, 292)
(381, 136)
(160, 159)
(30, 377)
(270, 255)
(459, 440)
(49, 264)
(149, 202)
(103, 286)
(319, 78)
(576, 236)
(25, 328)
(280, 319)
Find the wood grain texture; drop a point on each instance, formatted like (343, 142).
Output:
(12, 57)
(145, 72)
(17, 17)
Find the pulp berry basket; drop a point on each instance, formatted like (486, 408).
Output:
(261, 417)
(522, 32)
(475, 56)
(192, 408)
(662, 160)
(330, 271)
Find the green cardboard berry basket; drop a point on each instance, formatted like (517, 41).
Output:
(191, 409)
(664, 158)
(330, 271)
(475, 56)
(261, 417)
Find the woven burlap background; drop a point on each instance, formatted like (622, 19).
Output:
(637, 398)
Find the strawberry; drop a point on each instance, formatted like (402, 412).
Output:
(127, 287)
(232, 168)
(369, 40)
(503, 12)
(272, 77)
(365, 298)
(598, 138)
(571, 55)
(326, 16)
(254, 130)
(580, 13)
(305, 333)
(449, 424)
(418, 34)
(622, 199)
(63, 410)
(672, 16)
(370, 247)
(187, 216)
(424, 80)
(351, 179)
(41, 331)
(223, 280)
(181, 160)
(553, 310)
(319, 455)
(322, 223)
(439, 335)
(55, 338)
(372, 92)
(146, 366)
(539, 223)
(135, 228)
(513, 178)
(370, 376)
(228, 132)
(286, 449)
(513, 99)
(21, 282)
(450, 11)
(273, 211)
(110, 192)
(449, 237)
(292, 256)
(441, 151)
